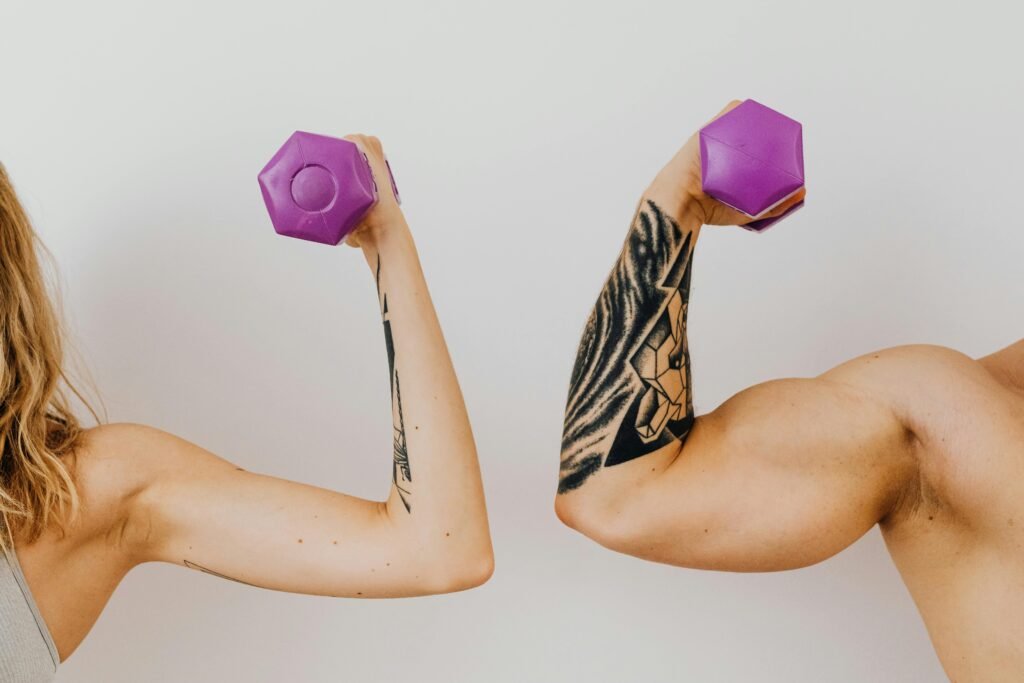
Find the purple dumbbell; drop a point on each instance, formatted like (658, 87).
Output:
(318, 188)
(752, 159)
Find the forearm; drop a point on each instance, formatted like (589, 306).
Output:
(630, 392)
(437, 495)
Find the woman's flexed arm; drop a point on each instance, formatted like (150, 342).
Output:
(430, 535)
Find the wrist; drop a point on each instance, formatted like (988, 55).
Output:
(678, 197)
(384, 236)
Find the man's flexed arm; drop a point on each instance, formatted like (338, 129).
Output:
(782, 475)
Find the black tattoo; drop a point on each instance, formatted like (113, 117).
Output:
(193, 565)
(401, 473)
(630, 392)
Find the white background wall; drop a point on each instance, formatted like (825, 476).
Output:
(521, 134)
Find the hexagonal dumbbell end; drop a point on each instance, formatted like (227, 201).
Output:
(317, 188)
(752, 159)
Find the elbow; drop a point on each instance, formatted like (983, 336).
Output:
(601, 521)
(461, 571)
(474, 572)
(569, 512)
(469, 572)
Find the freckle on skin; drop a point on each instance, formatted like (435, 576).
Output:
(334, 542)
(930, 518)
(300, 540)
(1010, 521)
(448, 534)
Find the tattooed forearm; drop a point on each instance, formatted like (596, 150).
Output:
(630, 390)
(193, 565)
(401, 473)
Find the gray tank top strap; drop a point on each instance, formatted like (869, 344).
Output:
(27, 652)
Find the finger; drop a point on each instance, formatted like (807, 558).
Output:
(371, 146)
(720, 214)
(357, 138)
(785, 206)
(374, 151)
(352, 239)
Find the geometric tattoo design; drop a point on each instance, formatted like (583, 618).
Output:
(630, 392)
(401, 473)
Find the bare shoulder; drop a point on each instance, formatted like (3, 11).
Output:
(901, 362)
(114, 459)
(117, 437)
(115, 463)
(126, 443)
(110, 465)
(910, 378)
(966, 420)
(119, 469)
(119, 460)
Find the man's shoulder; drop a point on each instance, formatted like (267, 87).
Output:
(968, 425)
(932, 389)
(908, 373)
(910, 356)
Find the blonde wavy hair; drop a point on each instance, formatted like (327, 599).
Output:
(38, 429)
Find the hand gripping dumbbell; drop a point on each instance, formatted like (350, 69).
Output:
(752, 160)
(319, 188)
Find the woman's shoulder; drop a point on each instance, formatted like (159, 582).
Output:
(111, 465)
(112, 453)
(124, 444)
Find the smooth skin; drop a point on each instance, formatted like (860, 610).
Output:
(149, 496)
(924, 441)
